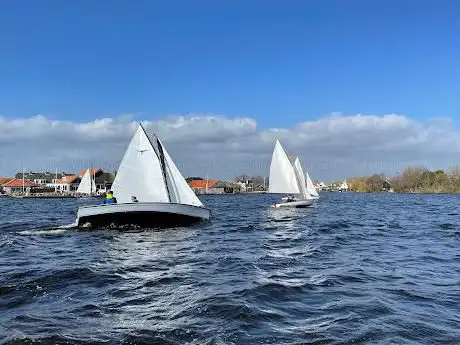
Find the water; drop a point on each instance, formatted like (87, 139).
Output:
(354, 269)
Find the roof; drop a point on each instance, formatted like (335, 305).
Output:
(16, 182)
(68, 179)
(202, 183)
(4, 180)
(92, 171)
(105, 178)
(40, 175)
(188, 179)
(222, 184)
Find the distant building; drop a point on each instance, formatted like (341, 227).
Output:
(344, 186)
(188, 179)
(104, 181)
(42, 178)
(93, 172)
(240, 186)
(17, 185)
(221, 187)
(4, 180)
(65, 182)
(68, 184)
(202, 186)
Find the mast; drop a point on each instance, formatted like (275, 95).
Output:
(163, 167)
(55, 182)
(23, 181)
(207, 183)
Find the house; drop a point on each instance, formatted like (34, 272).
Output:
(4, 180)
(188, 179)
(344, 186)
(319, 185)
(104, 181)
(202, 186)
(16, 185)
(240, 187)
(68, 184)
(42, 178)
(221, 187)
(93, 172)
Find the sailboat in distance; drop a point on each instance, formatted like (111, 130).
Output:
(288, 178)
(87, 184)
(150, 191)
(311, 188)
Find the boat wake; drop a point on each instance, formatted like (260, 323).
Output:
(49, 231)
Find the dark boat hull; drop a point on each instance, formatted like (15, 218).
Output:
(143, 215)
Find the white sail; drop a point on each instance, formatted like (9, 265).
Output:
(301, 179)
(311, 188)
(179, 190)
(86, 184)
(282, 175)
(140, 173)
(93, 184)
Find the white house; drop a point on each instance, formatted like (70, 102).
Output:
(344, 186)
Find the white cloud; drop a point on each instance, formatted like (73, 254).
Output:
(333, 146)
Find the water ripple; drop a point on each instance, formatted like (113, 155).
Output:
(352, 269)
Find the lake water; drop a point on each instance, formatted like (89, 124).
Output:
(353, 269)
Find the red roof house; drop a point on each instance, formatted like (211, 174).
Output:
(18, 184)
(93, 172)
(201, 184)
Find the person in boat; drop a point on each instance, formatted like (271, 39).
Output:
(134, 199)
(110, 199)
(290, 198)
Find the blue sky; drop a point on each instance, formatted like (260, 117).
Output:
(256, 64)
(279, 62)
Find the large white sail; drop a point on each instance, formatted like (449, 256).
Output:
(301, 179)
(86, 185)
(311, 188)
(140, 173)
(282, 175)
(179, 190)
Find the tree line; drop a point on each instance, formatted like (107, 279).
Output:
(411, 180)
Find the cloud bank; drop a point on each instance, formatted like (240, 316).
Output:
(331, 147)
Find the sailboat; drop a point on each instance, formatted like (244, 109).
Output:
(147, 175)
(311, 188)
(288, 178)
(87, 184)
